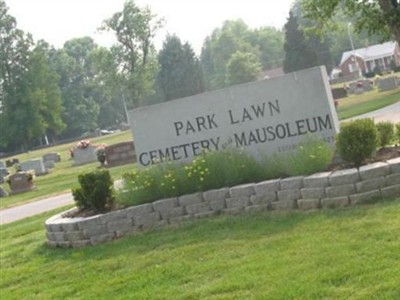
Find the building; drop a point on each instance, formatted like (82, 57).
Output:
(366, 60)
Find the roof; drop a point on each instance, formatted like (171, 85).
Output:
(371, 52)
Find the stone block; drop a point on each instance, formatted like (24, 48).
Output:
(34, 164)
(217, 204)
(266, 187)
(114, 216)
(340, 190)
(155, 225)
(73, 236)
(374, 170)
(284, 205)
(190, 199)
(237, 202)
(219, 194)
(139, 210)
(342, 177)
(291, 183)
(308, 204)
(318, 180)
(205, 214)
(285, 195)
(179, 220)
(90, 222)
(391, 191)
(165, 205)
(233, 211)
(126, 231)
(394, 165)
(244, 190)
(371, 184)
(312, 193)
(263, 199)
(98, 230)
(366, 197)
(172, 212)
(99, 239)
(146, 219)
(256, 208)
(393, 179)
(198, 208)
(56, 236)
(335, 202)
(122, 224)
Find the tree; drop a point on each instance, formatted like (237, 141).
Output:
(134, 29)
(242, 68)
(298, 54)
(180, 73)
(376, 16)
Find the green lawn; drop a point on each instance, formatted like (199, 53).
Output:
(350, 253)
(64, 176)
(355, 105)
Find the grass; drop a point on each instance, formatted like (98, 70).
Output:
(355, 105)
(64, 176)
(347, 253)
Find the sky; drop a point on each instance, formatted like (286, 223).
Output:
(57, 21)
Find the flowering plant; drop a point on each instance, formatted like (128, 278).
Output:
(83, 144)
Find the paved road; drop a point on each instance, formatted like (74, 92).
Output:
(389, 113)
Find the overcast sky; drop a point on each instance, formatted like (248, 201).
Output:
(57, 21)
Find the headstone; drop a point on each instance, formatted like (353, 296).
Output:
(120, 154)
(339, 93)
(49, 164)
(3, 174)
(262, 118)
(352, 87)
(84, 156)
(388, 83)
(34, 164)
(51, 157)
(20, 182)
(366, 85)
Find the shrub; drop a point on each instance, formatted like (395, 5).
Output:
(397, 133)
(96, 191)
(357, 140)
(385, 133)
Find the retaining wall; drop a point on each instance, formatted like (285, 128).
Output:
(323, 190)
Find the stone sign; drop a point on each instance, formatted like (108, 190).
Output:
(262, 118)
(120, 154)
(84, 156)
(51, 157)
(34, 164)
(20, 182)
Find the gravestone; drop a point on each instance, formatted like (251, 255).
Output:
(339, 93)
(262, 118)
(34, 164)
(20, 182)
(352, 87)
(3, 174)
(366, 85)
(84, 156)
(120, 154)
(388, 83)
(51, 157)
(49, 164)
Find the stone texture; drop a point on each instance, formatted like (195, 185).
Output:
(146, 219)
(165, 205)
(366, 197)
(100, 229)
(172, 213)
(291, 183)
(205, 214)
(217, 204)
(391, 191)
(308, 204)
(114, 226)
(198, 208)
(312, 193)
(394, 165)
(233, 211)
(237, 202)
(219, 194)
(89, 222)
(99, 239)
(114, 216)
(371, 184)
(244, 190)
(73, 236)
(340, 190)
(190, 199)
(256, 208)
(263, 199)
(374, 170)
(319, 180)
(179, 220)
(139, 210)
(335, 202)
(289, 195)
(393, 179)
(284, 205)
(342, 177)
(267, 187)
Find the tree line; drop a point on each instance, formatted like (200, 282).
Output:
(49, 94)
